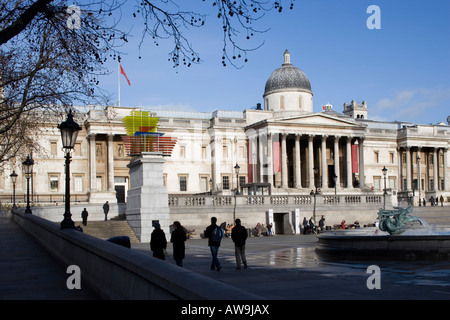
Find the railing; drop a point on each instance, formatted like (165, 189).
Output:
(273, 200)
(21, 199)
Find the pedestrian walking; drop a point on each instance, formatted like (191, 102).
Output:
(322, 223)
(84, 216)
(305, 226)
(214, 234)
(239, 235)
(106, 209)
(442, 200)
(178, 238)
(158, 242)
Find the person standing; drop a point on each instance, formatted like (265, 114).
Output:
(84, 216)
(322, 223)
(178, 238)
(239, 235)
(158, 242)
(214, 234)
(106, 209)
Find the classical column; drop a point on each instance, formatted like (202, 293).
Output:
(92, 164)
(336, 162)
(362, 182)
(435, 171)
(261, 158)
(324, 162)
(110, 162)
(419, 174)
(311, 161)
(349, 163)
(400, 173)
(446, 183)
(270, 158)
(298, 182)
(284, 173)
(408, 169)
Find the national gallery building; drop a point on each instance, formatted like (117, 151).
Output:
(280, 147)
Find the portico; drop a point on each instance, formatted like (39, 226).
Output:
(289, 149)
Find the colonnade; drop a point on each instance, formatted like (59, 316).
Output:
(306, 160)
(109, 177)
(428, 163)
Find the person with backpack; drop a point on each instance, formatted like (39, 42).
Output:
(239, 235)
(214, 233)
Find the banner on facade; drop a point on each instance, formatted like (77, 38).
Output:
(355, 159)
(276, 157)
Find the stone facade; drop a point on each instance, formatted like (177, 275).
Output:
(284, 145)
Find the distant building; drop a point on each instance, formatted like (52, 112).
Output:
(282, 147)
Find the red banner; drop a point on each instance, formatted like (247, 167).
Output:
(276, 157)
(355, 159)
(250, 162)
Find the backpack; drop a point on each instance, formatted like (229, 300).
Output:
(217, 234)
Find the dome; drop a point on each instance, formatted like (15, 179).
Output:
(287, 77)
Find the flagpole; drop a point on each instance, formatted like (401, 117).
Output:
(118, 80)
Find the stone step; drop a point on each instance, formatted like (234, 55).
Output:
(109, 229)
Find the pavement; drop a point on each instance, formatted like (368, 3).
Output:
(279, 268)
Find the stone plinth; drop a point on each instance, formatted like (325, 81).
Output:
(147, 199)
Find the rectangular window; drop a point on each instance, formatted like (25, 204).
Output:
(99, 183)
(241, 180)
(392, 183)
(53, 147)
(226, 183)
(183, 183)
(376, 183)
(204, 153)
(203, 184)
(54, 182)
(78, 183)
(376, 155)
(391, 157)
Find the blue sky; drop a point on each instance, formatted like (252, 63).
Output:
(402, 70)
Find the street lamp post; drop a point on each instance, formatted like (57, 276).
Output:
(13, 176)
(28, 169)
(418, 177)
(316, 170)
(385, 193)
(69, 132)
(236, 170)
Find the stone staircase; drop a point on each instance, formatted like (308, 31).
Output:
(108, 229)
(439, 216)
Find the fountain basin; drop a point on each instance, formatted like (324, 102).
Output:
(385, 245)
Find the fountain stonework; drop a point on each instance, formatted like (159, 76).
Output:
(398, 236)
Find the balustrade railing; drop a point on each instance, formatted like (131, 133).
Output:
(275, 200)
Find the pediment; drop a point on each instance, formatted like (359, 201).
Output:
(318, 119)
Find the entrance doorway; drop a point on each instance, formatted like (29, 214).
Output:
(279, 222)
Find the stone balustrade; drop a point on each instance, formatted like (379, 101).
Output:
(274, 200)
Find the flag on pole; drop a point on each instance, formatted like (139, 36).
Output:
(123, 72)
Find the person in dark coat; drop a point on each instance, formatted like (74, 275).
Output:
(178, 238)
(239, 235)
(84, 216)
(106, 209)
(213, 244)
(158, 242)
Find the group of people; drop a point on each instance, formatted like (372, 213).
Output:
(309, 226)
(85, 214)
(213, 233)
(262, 230)
(434, 201)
